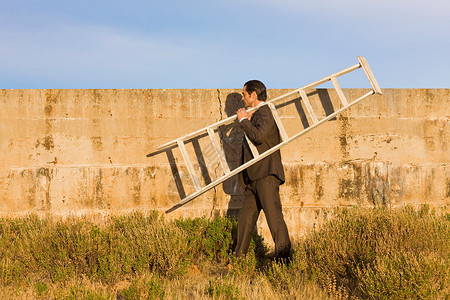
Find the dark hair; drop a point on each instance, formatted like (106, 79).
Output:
(258, 87)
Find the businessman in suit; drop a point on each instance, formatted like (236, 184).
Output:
(261, 180)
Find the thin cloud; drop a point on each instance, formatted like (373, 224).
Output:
(360, 9)
(93, 53)
(288, 43)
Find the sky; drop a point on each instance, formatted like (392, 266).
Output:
(85, 44)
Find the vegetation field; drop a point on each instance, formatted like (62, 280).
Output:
(359, 254)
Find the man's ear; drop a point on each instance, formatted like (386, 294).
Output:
(253, 95)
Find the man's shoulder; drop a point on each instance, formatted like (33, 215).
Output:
(264, 109)
(264, 106)
(263, 112)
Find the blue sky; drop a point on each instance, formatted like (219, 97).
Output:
(221, 43)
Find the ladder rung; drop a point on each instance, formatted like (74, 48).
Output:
(283, 133)
(264, 155)
(216, 144)
(308, 106)
(339, 91)
(252, 147)
(347, 103)
(189, 165)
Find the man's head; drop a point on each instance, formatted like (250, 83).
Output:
(254, 91)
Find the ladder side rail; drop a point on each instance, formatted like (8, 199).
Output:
(186, 137)
(204, 130)
(369, 74)
(276, 116)
(308, 106)
(253, 149)
(189, 165)
(330, 116)
(232, 118)
(339, 91)
(162, 150)
(225, 177)
(328, 78)
(219, 151)
(318, 82)
(265, 154)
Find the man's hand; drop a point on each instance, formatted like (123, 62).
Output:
(242, 113)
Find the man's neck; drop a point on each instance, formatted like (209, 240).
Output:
(256, 103)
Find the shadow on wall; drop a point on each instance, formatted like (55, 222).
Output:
(231, 138)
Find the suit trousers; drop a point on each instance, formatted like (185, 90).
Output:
(263, 194)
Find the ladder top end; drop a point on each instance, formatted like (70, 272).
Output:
(365, 65)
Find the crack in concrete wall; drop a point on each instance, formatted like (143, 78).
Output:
(71, 150)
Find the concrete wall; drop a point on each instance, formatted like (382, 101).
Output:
(84, 151)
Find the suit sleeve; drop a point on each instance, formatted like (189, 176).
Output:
(262, 126)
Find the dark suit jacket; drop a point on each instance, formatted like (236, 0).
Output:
(262, 130)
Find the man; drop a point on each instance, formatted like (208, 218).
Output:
(262, 179)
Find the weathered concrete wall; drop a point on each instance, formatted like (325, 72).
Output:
(70, 151)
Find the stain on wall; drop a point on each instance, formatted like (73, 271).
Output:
(81, 150)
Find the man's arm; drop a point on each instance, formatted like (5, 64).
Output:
(263, 126)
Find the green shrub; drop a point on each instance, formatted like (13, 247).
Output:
(405, 275)
(380, 253)
(76, 293)
(364, 253)
(220, 289)
(60, 250)
(211, 240)
(41, 288)
(145, 288)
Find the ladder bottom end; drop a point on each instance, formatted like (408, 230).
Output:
(171, 209)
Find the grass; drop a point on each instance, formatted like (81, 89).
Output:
(359, 254)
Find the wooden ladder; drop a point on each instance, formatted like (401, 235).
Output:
(209, 130)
